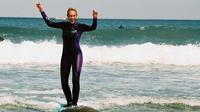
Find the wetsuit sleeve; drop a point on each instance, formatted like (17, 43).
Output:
(90, 28)
(50, 23)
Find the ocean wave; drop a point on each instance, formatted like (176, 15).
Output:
(19, 102)
(142, 101)
(20, 34)
(139, 35)
(156, 34)
(147, 53)
(101, 104)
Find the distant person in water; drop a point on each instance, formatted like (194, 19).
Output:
(72, 54)
(1, 39)
(121, 27)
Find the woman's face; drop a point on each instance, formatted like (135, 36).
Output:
(72, 16)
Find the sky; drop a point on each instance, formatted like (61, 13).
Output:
(108, 9)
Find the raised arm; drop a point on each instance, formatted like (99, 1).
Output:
(46, 18)
(94, 24)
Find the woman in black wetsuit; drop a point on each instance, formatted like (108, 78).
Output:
(72, 54)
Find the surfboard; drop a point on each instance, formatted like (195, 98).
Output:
(80, 108)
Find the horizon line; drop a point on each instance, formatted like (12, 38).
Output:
(20, 17)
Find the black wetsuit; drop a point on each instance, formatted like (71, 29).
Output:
(71, 55)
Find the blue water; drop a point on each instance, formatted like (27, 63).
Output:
(149, 66)
(172, 32)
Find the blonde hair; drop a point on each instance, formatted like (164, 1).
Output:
(71, 9)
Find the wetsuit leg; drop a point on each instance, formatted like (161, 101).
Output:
(65, 72)
(76, 67)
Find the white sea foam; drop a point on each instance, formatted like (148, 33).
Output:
(124, 101)
(96, 103)
(53, 91)
(32, 104)
(148, 53)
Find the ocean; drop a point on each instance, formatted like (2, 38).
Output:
(146, 66)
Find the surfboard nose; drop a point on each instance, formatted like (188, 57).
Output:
(80, 109)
